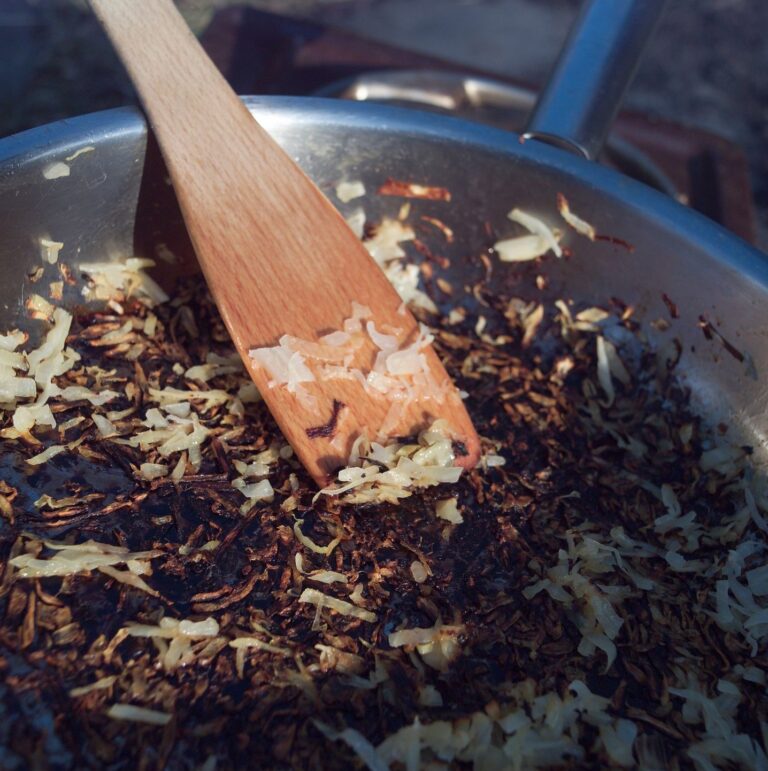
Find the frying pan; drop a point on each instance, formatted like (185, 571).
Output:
(113, 200)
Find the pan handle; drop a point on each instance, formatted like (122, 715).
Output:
(585, 90)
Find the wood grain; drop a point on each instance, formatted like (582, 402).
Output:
(277, 255)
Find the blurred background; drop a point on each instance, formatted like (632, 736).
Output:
(706, 67)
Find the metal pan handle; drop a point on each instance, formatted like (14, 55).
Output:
(585, 90)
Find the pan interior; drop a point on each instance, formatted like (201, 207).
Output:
(98, 186)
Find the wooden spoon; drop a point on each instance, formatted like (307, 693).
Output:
(278, 257)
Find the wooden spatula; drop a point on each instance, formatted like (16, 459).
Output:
(278, 258)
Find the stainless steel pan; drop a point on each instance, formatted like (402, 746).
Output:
(115, 202)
